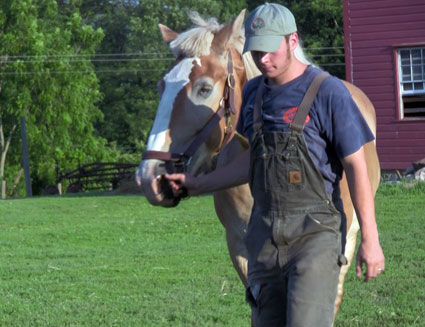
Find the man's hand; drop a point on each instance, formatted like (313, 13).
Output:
(373, 257)
(180, 181)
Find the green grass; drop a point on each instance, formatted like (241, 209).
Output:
(396, 298)
(117, 261)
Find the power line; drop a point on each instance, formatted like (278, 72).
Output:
(327, 55)
(324, 48)
(134, 60)
(90, 60)
(89, 55)
(83, 72)
(107, 58)
(129, 54)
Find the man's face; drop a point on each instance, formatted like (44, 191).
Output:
(274, 65)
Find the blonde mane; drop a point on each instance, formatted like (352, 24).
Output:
(197, 41)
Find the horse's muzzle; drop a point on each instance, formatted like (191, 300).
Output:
(171, 197)
(150, 176)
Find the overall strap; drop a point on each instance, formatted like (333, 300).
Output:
(305, 106)
(258, 107)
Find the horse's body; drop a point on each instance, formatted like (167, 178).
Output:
(191, 93)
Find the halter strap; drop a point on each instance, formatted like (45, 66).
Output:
(226, 108)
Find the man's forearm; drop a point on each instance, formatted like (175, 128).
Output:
(362, 195)
(370, 251)
(233, 174)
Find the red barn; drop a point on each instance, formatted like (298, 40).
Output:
(385, 57)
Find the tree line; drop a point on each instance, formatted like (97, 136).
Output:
(83, 74)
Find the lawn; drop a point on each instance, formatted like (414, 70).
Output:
(111, 260)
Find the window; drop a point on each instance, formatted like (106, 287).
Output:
(411, 66)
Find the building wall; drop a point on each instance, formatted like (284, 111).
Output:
(373, 30)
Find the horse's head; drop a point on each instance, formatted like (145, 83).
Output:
(206, 78)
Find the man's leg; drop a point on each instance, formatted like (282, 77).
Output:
(313, 281)
(268, 304)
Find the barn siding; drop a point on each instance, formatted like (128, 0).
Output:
(372, 31)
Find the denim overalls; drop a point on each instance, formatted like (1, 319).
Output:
(293, 238)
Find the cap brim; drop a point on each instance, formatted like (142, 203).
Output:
(264, 43)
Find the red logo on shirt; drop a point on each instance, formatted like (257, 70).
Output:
(289, 116)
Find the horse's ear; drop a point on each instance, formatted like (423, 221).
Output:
(229, 33)
(168, 34)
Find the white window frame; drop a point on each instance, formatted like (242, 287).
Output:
(412, 70)
(411, 76)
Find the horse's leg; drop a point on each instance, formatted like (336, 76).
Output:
(233, 208)
(350, 245)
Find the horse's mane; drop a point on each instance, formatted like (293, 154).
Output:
(197, 42)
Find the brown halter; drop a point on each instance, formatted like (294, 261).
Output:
(180, 161)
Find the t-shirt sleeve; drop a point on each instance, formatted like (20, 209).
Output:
(347, 130)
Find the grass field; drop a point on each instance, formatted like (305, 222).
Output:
(108, 260)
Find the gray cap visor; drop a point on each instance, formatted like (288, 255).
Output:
(264, 43)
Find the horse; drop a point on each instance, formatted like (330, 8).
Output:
(194, 129)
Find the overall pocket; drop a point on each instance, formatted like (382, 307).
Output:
(289, 172)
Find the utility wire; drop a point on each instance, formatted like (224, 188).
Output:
(83, 71)
(128, 54)
(107, 58)
(134, 60)
(90, 55)
(90, 60)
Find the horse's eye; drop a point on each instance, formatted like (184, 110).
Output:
(205, 90)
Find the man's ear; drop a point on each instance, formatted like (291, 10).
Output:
(293, 41)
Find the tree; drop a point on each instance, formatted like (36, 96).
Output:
(47, 77)
(130, 97)
(128, 81)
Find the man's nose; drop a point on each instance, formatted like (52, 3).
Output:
(264, 57)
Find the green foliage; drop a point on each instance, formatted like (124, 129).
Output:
(42, 81)
(130, 96)
(109, 55)
(131, 29)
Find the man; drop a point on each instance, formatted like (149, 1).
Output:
(295, 238)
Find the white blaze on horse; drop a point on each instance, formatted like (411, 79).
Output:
(193, 130)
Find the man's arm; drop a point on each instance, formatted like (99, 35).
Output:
(370, 251)
(233, 174)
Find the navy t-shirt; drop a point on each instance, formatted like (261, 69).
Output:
(335, 127)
